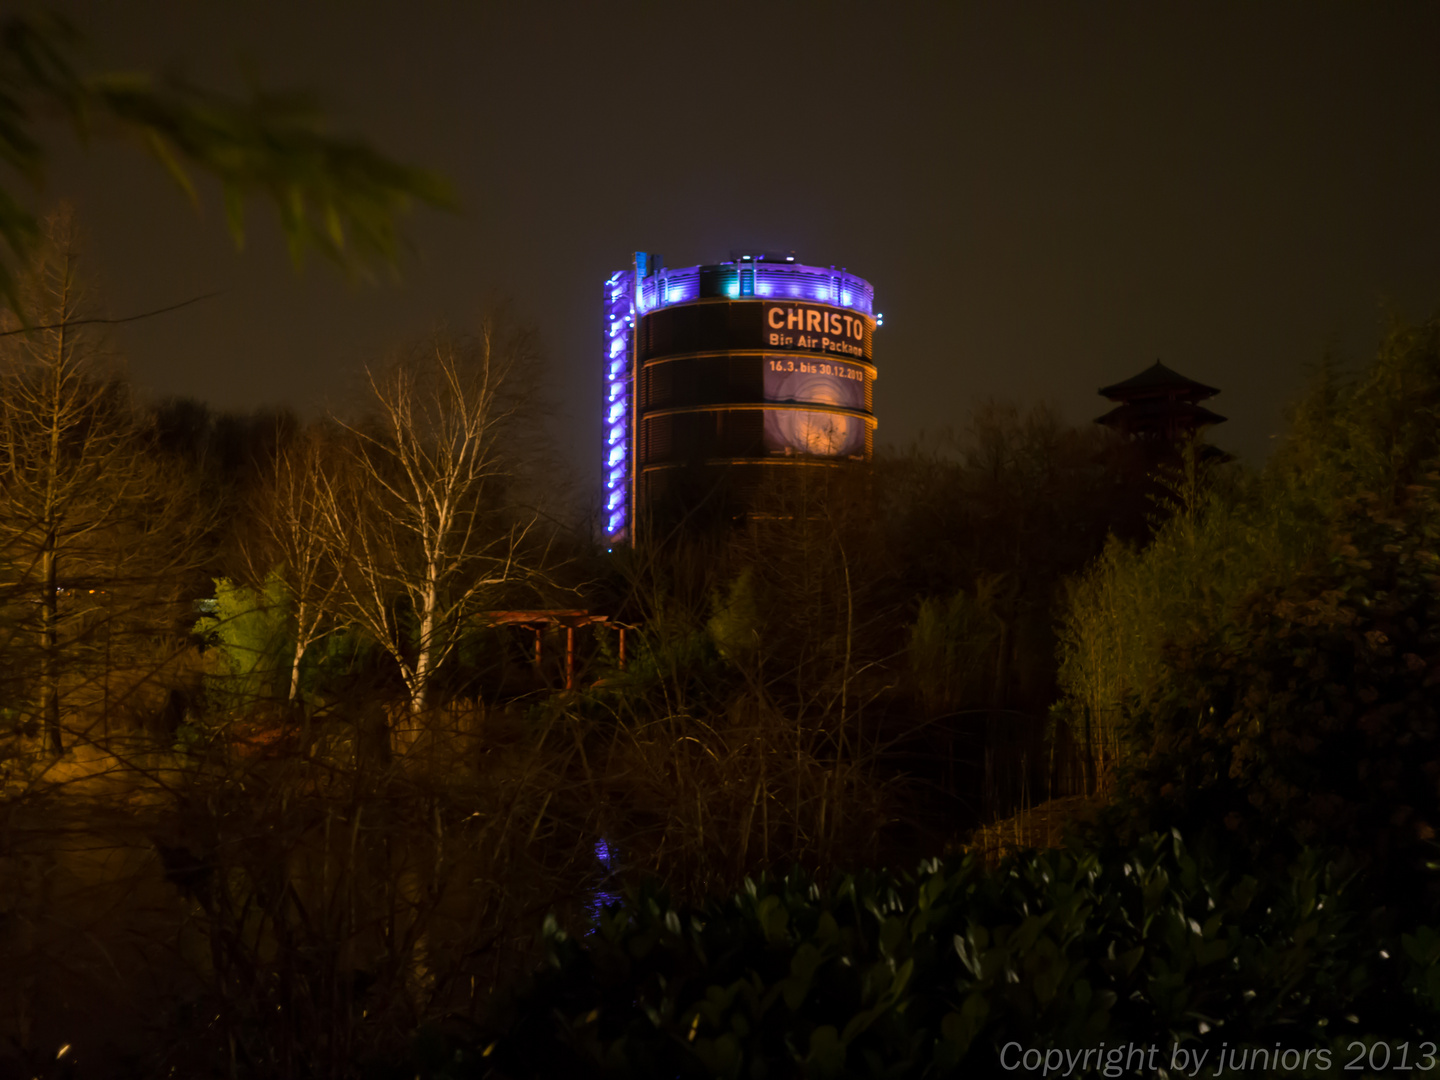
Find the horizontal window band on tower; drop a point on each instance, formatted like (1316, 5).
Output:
(763, 406)
(871, 372)
(764, 463)
(754, 377)
(755, 431)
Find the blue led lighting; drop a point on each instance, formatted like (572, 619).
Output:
(777, 280)
(621, 299)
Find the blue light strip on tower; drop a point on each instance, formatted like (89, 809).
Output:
(771, 280)
(619, 344)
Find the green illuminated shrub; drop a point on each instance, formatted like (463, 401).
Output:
(251, 631)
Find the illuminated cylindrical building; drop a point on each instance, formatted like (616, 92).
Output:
(731, 372)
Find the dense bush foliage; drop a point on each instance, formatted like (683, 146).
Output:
(1315, 715)
(1268, 661)
(930, 974)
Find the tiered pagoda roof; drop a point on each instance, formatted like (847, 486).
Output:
(1159, 403)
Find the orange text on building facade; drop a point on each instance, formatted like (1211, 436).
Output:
(814, 328)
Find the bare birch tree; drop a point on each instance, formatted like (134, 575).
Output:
(434, 533)
(291, 514)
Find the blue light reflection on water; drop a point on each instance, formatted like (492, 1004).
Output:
(603, 893)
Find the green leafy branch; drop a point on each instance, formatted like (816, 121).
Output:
(335, 195)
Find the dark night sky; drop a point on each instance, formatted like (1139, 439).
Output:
(1047, 197)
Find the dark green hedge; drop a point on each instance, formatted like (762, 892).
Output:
(936, 973)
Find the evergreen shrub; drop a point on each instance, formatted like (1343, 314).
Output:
(876, 975)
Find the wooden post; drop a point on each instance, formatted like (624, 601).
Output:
(622, 648)
(569, 658)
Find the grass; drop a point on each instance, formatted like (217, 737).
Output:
(277, 904)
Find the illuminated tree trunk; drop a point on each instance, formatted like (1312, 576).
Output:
(50, 649)
(50, 605)
(426, 652)
(299, 653)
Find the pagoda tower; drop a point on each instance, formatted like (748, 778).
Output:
(1159, 405)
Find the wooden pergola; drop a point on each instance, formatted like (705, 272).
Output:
(538, 620)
